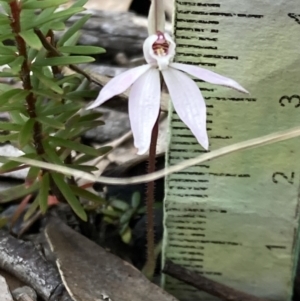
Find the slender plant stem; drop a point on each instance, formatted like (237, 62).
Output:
(25, 74)
(54, 52)
(15, 7)
(150, 195)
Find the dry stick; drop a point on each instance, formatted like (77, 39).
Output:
(248, 144)
(204, 284)
(24, 261)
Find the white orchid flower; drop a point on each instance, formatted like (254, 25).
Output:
(145, 83)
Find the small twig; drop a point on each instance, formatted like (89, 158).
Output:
(204, 284)
(54, 51)
(252, 143)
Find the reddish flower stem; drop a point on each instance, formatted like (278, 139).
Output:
(150, 195)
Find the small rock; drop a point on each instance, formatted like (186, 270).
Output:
(8, 150)
(116, 125)
(24, 293)
(5, 294)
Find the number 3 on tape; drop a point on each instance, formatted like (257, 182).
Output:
(236, 219)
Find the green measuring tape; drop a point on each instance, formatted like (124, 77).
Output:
(236, 219)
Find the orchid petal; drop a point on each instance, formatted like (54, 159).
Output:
(119, 84)
(156, 17)
(188, 103)
(144, 103)
(149, 55)
(209, 76)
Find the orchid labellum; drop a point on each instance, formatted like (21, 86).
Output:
(145, 83)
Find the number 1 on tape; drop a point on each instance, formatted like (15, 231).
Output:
(236, 219)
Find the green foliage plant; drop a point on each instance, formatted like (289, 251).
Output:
(46, 115)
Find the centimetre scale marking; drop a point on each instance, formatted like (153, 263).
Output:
(198, 26)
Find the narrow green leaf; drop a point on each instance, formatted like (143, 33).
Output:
(10, 165)
(7, 74)
(32, 174)
(126, 234)
(64, 15)
(5, 87)
(32, 209)
(47, 81)
(8, 126)
(81, 49)
(51, 122)
(47, 94)
(78, 129)
(84, 94)
(127, 216)
(69, 195)
(36, 4)
(90, 116)
(4, 20)
(18, 118)
(26, 132)
(7, 50)
(5, 6)
(73, 30)
(6, 96)
(21, 96)
(45, 14)
(85, 158)
(111, 213)
(32, 53)
(44, 192)
(17, 192)
(70, 107)
(10, 108)
(79, 3)
(85, 194)
(51, 154)
(90, 124)
(8, 36)
(57, 26)
(74, 146)
(74, 78)
(9, 137)
(31, 39)
(135, 199)
(74, 39)
(120, 205)
(62, 61)
(6, 59)
(15, 65)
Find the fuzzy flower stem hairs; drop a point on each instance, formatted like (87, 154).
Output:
(144, 100)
